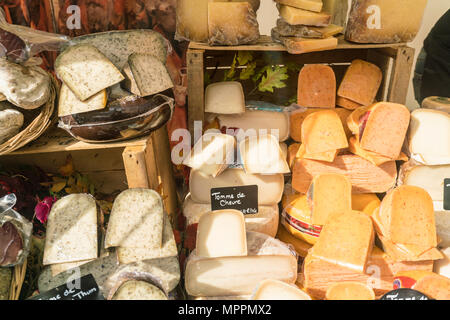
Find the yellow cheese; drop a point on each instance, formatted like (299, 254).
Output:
(305, 45)
(300, 246)
(366, 203)
(350, 291)
(296, 16)
(429, 283)
(310, 5)
(317, 87)
(347, 103)
(278, 290)
(327, 156)
(375, 158)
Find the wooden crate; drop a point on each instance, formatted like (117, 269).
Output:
(395, 60)
(139, 163)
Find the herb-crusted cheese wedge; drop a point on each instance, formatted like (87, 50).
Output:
(70, 104)
(86, 71)
(72, 230)
(138, 290)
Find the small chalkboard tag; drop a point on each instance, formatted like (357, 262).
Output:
(84, 288)
(243, 198)
(404, 294)
(446, 194)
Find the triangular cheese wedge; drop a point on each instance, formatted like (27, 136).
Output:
(375, 158)
(327, 156)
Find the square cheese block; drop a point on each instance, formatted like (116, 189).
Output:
(221, 234)
(346, 240)
(384, 21)
(72, 230)
(299, 45)
(225, 98)
(139, 290)
(270, 187)
(297, 16)
(310, 5)
(86, 71)
(429, 137)
(136, 220)
(212, 154)
(278, 290)
(317, 87)
(262, 155)
(232, 23)
(69, 103)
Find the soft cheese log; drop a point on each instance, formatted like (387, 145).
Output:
(285, 29)
(138, 290)
(317, 87)
(254, 122)
(225, 98)
(72, 230)
(337, 9)
(310, 5)
(373, 157)
(437, 103)
(265, 221)
(296, 16)
(350, 291)
(221, 234)
(86, 71)
(69, 103)
(300, 246)
(429, 137)
(212, 153)
(319, 274)
(361, 82)
(442, 266)
(270, 187)
(136, 220)
(384, 21)
(262, 155)
(232, 23)
(305, 45)
(277, 290)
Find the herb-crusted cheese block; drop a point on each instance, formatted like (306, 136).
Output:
(70, 104)
(139, 290)
(148, 75)
(86, 71)
(5, 283)
(118, 45)
(136, 221)
(72, 230)
(11, 121)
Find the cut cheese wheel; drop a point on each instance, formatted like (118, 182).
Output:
(384, 21)
(361, 82)
(136, 220)
(310, 5)
(364, 176)
(300, 246)
(347, 240)
(407, 216)
(442, 266)
(347, 103)
(296, 16)
(254, 122)
(296, 45)
(437, 103)
(139, 290)
(278, 290)
(373, 157)
(355, 120)
(225, 98)
(69, 103)
(86, 71)
(221, 234)
(350, 291)
(285, 29)
(328, 195)
(232, 23)
(212, 153)
(430, 126)
(262, 155)
(270, 187)
(323, 131)
(71, 230)
(317, 87)
(366, 203)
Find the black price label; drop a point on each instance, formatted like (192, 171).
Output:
(404, 294)
(84, 288)
(244, 199)
(446, 194)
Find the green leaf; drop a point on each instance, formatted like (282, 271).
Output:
(260, 73)
(248, 72)
(229, 75)
(244, 57)
(274, 79)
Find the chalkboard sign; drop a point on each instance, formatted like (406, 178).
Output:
(243, 198)
(404, 294)
(84, 288)
(446, 194)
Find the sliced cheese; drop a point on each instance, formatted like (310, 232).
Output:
(270, 187)
(225, 98)
(71, 230)
(212, 153)
(373, 157)
(310, 5)
(296, 16)
(435, 103)
(277, 290)
(350, 291)
(139, 290)
(347, 103)
(317, 87)
(69, 103)
(86, 71)
(300, 31)
(305, 45)
(221, 234)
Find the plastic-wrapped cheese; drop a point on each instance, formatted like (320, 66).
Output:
(278, 290)
(225, 98)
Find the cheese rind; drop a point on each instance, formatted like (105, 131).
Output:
(138, 290)
(69, 103)
(278, 290)
(350, 291)
(300, 31)
(317, 87)
(225, 98)
(296, 16)
(305, 45)
(347, 103)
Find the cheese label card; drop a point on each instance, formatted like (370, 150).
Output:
(84, 288)
(447, 194)
(243, 198)
(404, 294)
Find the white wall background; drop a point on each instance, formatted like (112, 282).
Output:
(268, 14)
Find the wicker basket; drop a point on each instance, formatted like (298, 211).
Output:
(17, 281)
(36, 128)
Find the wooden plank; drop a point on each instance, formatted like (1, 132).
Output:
(384, 62)
(154, 181)
(135, 167)
(196, 100)
(401, 75)
(108, 182)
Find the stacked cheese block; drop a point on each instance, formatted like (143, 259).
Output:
(139, 258)
(218, 22)
(309, 25)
